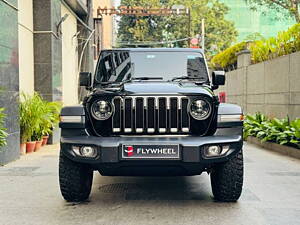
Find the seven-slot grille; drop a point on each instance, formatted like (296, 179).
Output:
(137, 114)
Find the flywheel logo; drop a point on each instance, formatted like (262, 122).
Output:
(129, 150)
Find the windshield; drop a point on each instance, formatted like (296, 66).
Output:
(117, 66)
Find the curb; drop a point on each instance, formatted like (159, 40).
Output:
(282, 149)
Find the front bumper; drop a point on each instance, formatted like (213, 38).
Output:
(109, 160)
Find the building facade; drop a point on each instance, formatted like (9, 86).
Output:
(41, 44)
(104, 29)
(248, 21)
(9, 77)
(106, 23)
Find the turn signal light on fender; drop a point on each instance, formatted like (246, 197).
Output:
(71, 119)
(242, 117)
(231, 118)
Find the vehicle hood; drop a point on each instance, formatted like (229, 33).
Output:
(148, 88)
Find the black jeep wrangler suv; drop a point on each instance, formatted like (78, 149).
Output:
(151, 111)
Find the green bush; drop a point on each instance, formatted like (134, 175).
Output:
(3, 133)
(50, 117)
(286, 42)
(281, 131)
(48, 120)
(227, 59)
(37, 117)
(29, 116)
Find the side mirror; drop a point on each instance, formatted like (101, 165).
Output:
(218, 78)
(85, 79)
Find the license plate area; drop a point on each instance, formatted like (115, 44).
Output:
(150, 152)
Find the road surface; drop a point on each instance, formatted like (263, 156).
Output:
(29, 194)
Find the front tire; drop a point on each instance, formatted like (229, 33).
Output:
(75, 180)
(227, 179)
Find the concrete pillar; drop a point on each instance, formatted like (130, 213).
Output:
(243, 58)
(9, 79)
(47, 49)
(47, 52)
(26, 56)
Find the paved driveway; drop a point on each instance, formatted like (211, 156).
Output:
(29, 194)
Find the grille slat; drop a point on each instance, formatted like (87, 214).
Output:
(162, 115)
(150, 115)
(173, 115)
(128, 115)
(185, 120)
(138, 114)
(117, 115)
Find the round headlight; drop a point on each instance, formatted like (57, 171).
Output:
(200, 109)
(102, 110)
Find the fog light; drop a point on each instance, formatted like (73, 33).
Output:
(87, 151)
(216, 150)
(211, 151)
(76, 150)
(225, 149)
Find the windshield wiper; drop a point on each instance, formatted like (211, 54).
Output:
(119, 83)
(116, 83)
(147, 78)
(188, 78)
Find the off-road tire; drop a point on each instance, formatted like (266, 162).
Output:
(75, 180)
(227, 179)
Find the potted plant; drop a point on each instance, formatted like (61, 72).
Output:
(23, 114)
(38, 138)
(45, 140)
(3, 133)
(37, 120)
(50, 119)
(41, 116)
(29, 120)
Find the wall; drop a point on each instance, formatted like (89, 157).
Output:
(9, 78)
(107, 23)
(271, 87)
(26, 60)
(40, 61)
(69, 59)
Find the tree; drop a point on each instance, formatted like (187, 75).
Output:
(220, 33)
(140, 29)
(254, 37)
(289, 7)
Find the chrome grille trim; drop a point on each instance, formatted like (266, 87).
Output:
(162, 129)
(185, 129)
(139, 129)
(159, 127)
(173, 129)
(150, 129)
(117, 129)
(125, 112)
